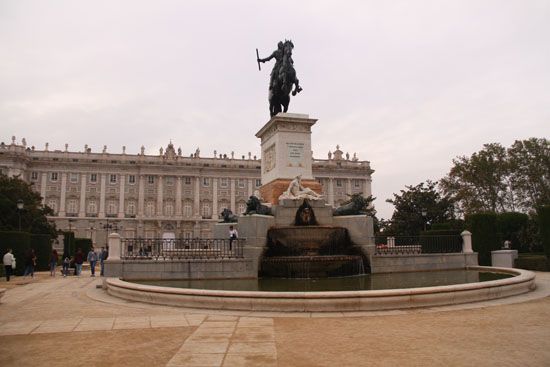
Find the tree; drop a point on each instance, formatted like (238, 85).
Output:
(33, 215)
(407, 219)
(529, 162)
(480, 183)
(497, 179)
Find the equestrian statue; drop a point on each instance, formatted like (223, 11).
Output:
(283, 77)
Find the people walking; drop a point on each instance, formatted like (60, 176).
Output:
(54, 257)
(9, 262)
(233, 236)
(92, 259)
(78, 260)
(103, 255)
(66, 265)
(30, 263)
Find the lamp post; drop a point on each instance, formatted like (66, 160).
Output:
(107, 226)
(424, 214)
(20, 206)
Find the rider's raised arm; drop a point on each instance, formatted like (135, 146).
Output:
(267, 58)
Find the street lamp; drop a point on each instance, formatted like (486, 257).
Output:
(20, 206)
(424, 214)
(107, 226)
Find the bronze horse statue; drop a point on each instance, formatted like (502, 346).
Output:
(283, 78)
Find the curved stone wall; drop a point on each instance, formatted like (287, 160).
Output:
(522, 282)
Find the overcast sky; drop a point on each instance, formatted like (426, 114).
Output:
(408, 85)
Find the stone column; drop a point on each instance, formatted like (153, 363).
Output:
(141, 195)
(178, 197)
(160, 211)
(367, 188)
(43, 187)
(121, 196)
(331, 191)
(233, 195)
(215, 198)
(82, 206)
(250, 188)
(114, 246)
(196, 197)
(467, 242)
(63, 194)
(102, 196)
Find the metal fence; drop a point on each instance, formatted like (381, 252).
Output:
(402, 245)
(188, 248)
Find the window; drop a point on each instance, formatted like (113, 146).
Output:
(169, 209)
(241, 208)
(187, 210)
(206, 181)
(338, 183)
(73, 177)
(111, 207)
(150, 209)
(131, 208)
(241, 183)
(150, 180)
(52, 203)
(169, 181)
(205, 210)
(188, 180)
(53, 176)
(112, 179)
(188, 234)
(93, 178)
(258, 182)
(357, 183)
(224, 182)
(72, 206)
(34, 176)
(131, 179)
(92, 207)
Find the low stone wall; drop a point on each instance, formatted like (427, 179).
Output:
(421, 262)
(522, 282)
(181, 269)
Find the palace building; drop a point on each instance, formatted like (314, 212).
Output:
(152, 196)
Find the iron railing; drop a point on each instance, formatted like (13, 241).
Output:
(403, 245)
(181, 248)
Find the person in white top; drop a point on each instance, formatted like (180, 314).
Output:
(233, 235)
(9, 262)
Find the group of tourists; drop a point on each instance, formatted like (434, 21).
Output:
(78, 259)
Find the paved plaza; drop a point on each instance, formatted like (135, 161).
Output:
(71, 322)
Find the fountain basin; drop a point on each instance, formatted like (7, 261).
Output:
(374, 300)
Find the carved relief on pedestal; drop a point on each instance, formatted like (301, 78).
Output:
(269, 158)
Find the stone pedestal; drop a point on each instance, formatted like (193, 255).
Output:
(504, 258)
(286, 153)
(254, 229)
(285, 212)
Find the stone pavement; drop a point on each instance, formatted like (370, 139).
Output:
(45, 314)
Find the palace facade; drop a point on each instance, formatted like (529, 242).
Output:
(166, 195)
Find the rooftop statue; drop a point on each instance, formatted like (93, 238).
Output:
(283, 77)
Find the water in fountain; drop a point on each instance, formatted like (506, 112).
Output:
(310, 252)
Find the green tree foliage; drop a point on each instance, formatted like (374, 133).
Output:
(529, 163)
(407, 219)
(544, 225)
(497, 179)
(484, 235)
(33, 215)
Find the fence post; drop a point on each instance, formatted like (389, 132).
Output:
(466, 242)
(114, 246)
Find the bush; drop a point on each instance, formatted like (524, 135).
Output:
(483, 227)
(85, 244)
(510, 227)
(68, 244)
(42, 245)
(536, 262)
(544, 229)
(19, 242)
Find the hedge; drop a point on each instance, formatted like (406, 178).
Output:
(510, 226)
(42, 245)
(544, 229)
(19, 242)
(483, 227)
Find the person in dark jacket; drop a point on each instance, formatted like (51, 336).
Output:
(53, 262)
(30, 263)
(78, 260)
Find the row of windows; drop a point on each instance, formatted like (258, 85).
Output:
(111, 208)
(113, 178)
